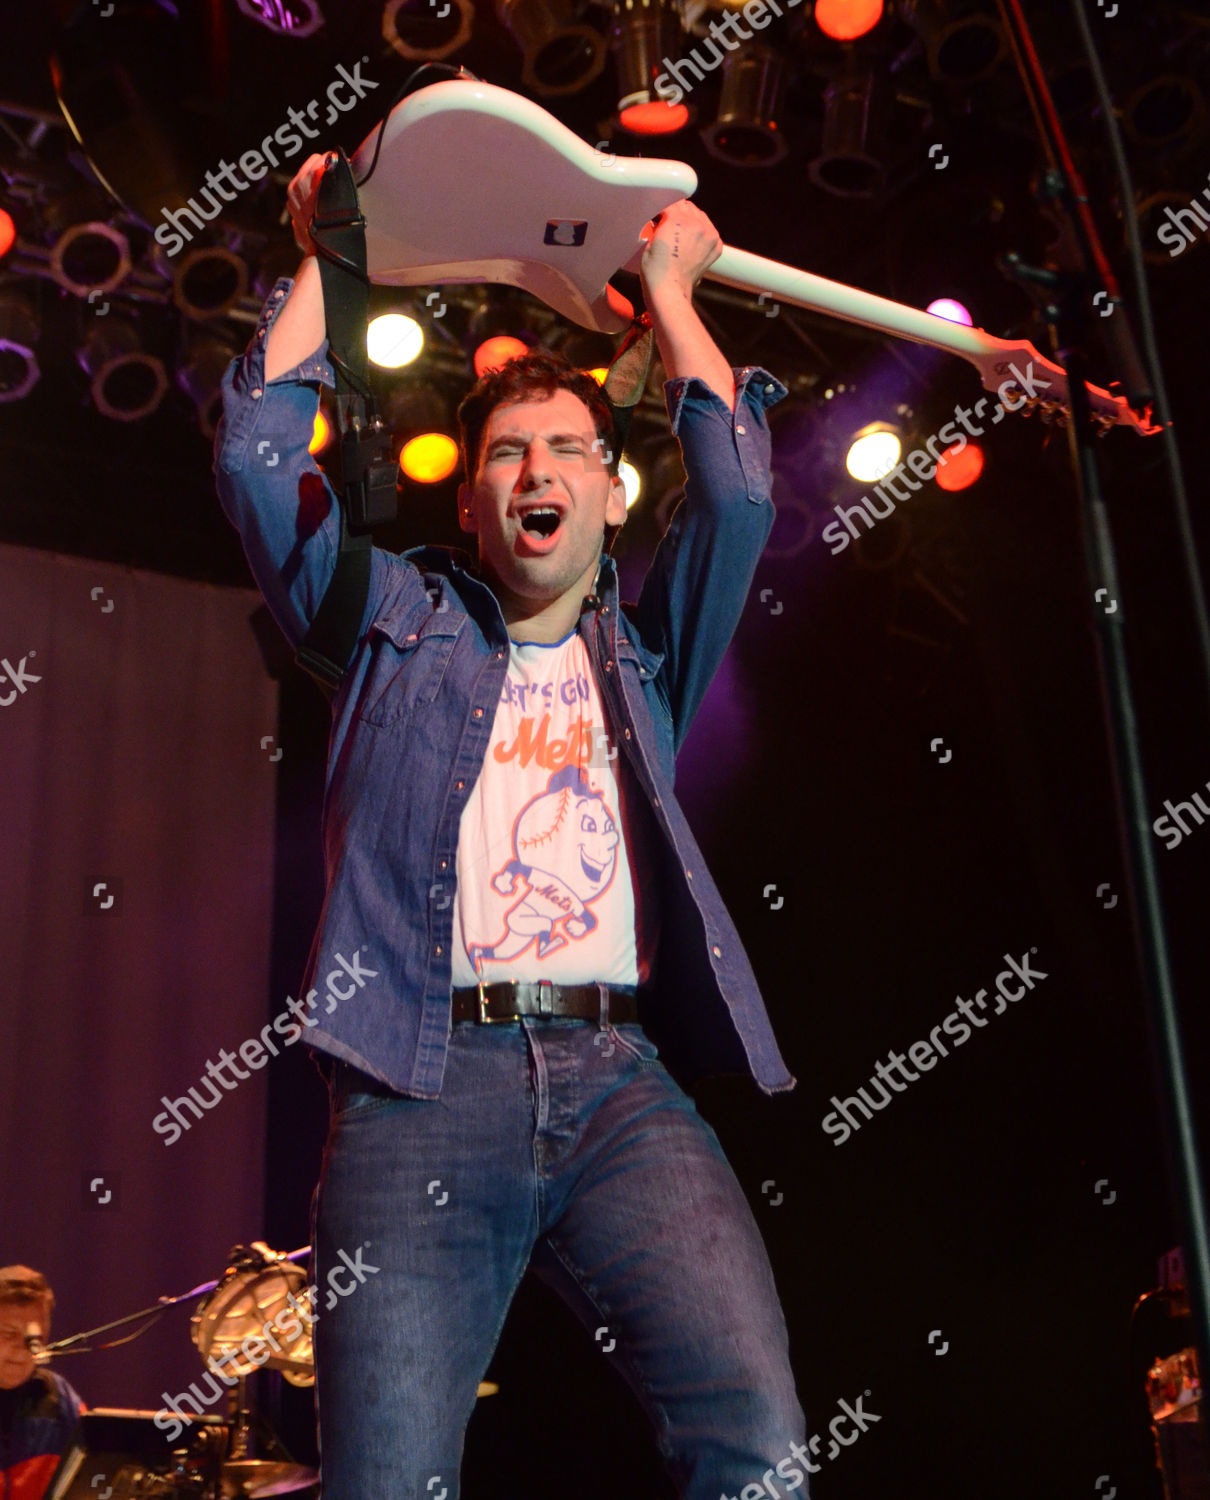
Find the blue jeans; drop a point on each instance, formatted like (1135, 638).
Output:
(558, 1140)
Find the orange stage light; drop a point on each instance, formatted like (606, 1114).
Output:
(846, 20)
(429, 458)
(960, 467)
(8, 233)
(656, 118)
(320, 433)
(497, 351)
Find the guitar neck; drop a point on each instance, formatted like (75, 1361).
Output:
(747, 272)
(992, 357)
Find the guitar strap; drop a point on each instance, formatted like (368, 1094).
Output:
(362, 471)
(627, 377)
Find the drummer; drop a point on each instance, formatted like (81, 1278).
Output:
(38, 1408)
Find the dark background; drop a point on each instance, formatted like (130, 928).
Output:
(968, 1206)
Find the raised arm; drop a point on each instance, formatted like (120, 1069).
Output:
(685, 243)
(300, 326)
(696, 587)
(270, 487)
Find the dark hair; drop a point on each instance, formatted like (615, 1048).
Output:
(533, 377)
(23, 1287)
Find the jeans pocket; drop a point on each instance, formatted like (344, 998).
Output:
(631, 1037)
(352, 1093)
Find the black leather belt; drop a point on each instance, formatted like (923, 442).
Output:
(510, 999)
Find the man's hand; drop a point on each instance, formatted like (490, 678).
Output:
(682, 246)
(301, 198)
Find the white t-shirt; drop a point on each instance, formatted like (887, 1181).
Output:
(553, 845)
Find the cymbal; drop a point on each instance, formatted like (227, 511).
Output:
(254, 1477)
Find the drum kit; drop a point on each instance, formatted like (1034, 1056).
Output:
(251, 1318)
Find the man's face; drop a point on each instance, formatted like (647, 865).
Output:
(16, 1362)
(540, 454)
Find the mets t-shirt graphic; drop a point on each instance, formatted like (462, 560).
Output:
(556, 838)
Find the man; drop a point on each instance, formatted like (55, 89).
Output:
(519, 926)
(38, 1408)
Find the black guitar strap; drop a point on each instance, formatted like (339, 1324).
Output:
(363, 474)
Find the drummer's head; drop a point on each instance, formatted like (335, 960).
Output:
(536, 431)
(25, 1305)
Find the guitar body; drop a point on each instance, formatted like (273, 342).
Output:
(475, 183)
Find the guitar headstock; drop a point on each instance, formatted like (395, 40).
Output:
(1027, 382)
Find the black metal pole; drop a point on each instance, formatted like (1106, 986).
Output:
(1068, 313)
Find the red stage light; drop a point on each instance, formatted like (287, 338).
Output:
(846, 20)
(960, 467)
(497, 351)
(656, 118)
(8, 233)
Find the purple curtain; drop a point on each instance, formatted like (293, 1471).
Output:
(135, 886)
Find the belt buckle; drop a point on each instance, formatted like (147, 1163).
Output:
(484, 1018)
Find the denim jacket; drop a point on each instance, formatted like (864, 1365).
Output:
(412, 719)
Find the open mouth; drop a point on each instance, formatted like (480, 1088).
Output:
(543, 521)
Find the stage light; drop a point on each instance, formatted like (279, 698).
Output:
(90, 258)
(209, 282)
(951, 311)
(1164, 111)
(633, 485)
(394, 340)
(959, 467)
(8, 233)
(559, 55)
(599, 374)
(296, 18)
(19, 334)
(429, 458)
(418, 30)
(494, 352)
(846, 20)
(321, 433)
(643, 33)
(745, 131)
(653, 117)
(127, 383)
(873, 453)
(201, 379)
(960, 48)
(845, 165)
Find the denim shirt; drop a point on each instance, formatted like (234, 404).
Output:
(412, 720)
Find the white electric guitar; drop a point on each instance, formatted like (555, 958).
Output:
(476, 183)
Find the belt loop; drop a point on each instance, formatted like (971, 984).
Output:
(545, 998)
(603, 988)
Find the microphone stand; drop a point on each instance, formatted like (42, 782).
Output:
(1067, 303)
(69, 1345)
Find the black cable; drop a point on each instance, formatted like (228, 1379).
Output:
(408, 87)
